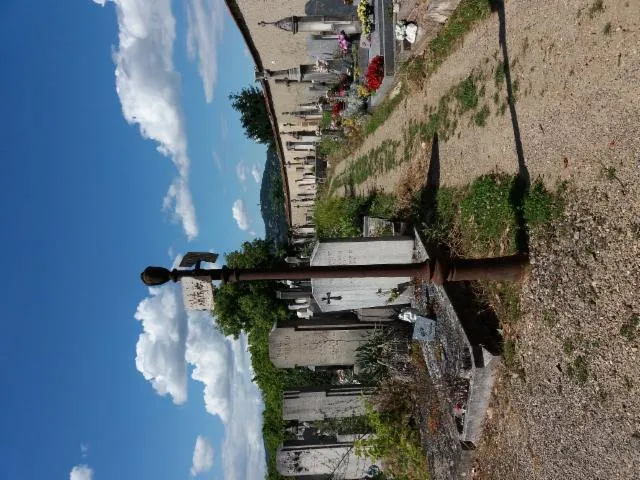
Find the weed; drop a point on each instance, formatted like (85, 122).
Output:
(415, 70)
(509, 353)
(515, 86)
(487, 215)
(467, 94)
(596, 8)
(460, 22)
(629, 329)
(540, 206)
(382, 112)
(480, 118)
(482, 91)
(607, 28)
(525, 45)
(579, 370)
(550, 318)
(503, 108)
(496, 98)
(568, 347)
(499, 74)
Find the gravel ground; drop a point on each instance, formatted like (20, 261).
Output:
(570, 407)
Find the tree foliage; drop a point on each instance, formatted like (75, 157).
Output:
(250, 103)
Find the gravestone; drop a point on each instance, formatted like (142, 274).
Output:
(290, 347)
(336, 458)
(307, 405)
(335, 294)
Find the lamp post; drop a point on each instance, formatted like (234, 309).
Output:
(436, 270)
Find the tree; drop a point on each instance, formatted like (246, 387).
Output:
(249, 305)
(250, 103)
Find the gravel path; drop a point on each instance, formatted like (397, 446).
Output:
(573, 410)
(579, 91)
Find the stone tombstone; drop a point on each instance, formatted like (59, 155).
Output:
(337, 459)
(335, 294)
(424, 330)
(307, 405)
(290, 347)
(197, 293)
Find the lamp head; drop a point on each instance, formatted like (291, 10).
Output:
(153, 276)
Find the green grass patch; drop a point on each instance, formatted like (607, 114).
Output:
(340, 217)
(499, 74)
(579, 370)
(467, 94)
(542, 207)
(462, 19)
(509, 353)
(378, 160)
(328, 146)
(382, 112)
(480, 118)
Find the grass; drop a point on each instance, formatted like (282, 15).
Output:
(339, 217)
(568, 346)
(596, 8)
(463, 18)
(480, 118)
(579, 370)
(378, 160)
(382, 112)
(629, 329)
(467, 94)
(509, 353)
(499, 75)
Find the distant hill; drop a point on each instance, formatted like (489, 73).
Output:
(272, 200)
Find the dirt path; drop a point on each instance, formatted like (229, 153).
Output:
(573, 409)
(579, 91)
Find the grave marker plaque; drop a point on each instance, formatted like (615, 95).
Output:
(197, 293)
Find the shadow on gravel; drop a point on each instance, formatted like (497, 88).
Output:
(523, 181)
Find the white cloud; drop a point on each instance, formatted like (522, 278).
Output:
(240, 214)
(149, 91)
(205, 20)
(257, 174)
(81, 472)
(84, 449)
(173, 340)
(241, 171)
(100, 2)
(202, 456)
(216, 160)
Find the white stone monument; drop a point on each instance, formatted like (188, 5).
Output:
(335, 294)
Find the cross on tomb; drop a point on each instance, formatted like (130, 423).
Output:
(328, 298)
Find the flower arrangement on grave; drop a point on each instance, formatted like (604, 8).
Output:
(375, 74)
(365, 15)
(364, 92)
(343, 42)
(336, 108)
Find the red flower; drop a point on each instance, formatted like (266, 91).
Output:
(375, 73)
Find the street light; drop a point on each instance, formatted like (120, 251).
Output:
(435, 270)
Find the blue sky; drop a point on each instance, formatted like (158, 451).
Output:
(120, 149)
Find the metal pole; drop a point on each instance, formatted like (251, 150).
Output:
(435, 270)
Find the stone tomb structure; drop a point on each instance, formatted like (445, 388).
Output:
(333, 294)
(319, 342)
(308, 405)
(321, 457)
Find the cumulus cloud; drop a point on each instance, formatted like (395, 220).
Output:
(205, 20)
(81, 472)
(149, 91)
(202, 456)
(256, 174)
(240, 214)
(173, 340)
(241, 171)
